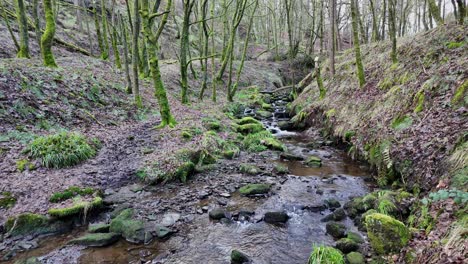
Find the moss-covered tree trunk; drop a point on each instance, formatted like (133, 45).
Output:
(135, 54)
(331, 40)
(115, 49)
(461, 11)
(357, 46)
(7, 22)
(213, 52)
(205, 40)
(435, 12)
(392, 29)
(48, 37)
(318, 76)
(375, 30)
(152, 41)
(23, 51)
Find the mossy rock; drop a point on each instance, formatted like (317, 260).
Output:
(355, 237)
(230, 154)
(77, 208)
(281, 169)
(332, 203)
(98, 228)
(264, 114)
(249, 169)
(386, 234)
(185, 170)
(247, 120)
(96, 239)
(7, 200)
(355, 258)
(31, 260)
(254, 189)
(70, 192)
(267, 107)
(336, 230)
(213, 125)
(337, 215)
(34, 224)
(132, 230)
(250, 128)
(326, 255)
(238, 257)
(273, 144)
(313, 161)
(346, 245)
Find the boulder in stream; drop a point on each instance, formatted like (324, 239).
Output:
(253, 189)
(96, 239)
(217, 214)
(355, 258)
(238, 257)
(131, 229)
(276, 217)
(98, 228)
(337, 215)
(386, 234)
(336, 230)
(346, 245)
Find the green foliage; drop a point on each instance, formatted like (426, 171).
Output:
(281, 169)
(7, 200)
(249, 169)
(61, 150)
(326, 255)
(460, 94)
(459, 197)
(402, 123)
(386, 207)
(24, 164)
(261, 141)
(419, 98)
(234, 109)
(460, 179)
(70, 192)
(455, 45)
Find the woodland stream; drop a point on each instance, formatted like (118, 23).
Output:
(201, 240)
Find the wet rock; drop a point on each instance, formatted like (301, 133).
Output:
(132, 230)
(98, 228)
(336, 230)
(346, 245)
(225, 195)
(238, 257)
(217, 214)
(355, 237)
(262, 114)
(290, 156)
(31, 260)
(275, 217)
(332, 203)
(253, 189)
(355, 258)
(285, 125)
(249, 169)
(226, 221)
(96, 239)
(313, 161)
(222, 202)
(202, 195)
(316, 208)
(337, 215)
(160, 231)
(386, 234)
(170, 219)
(319, 191)
(34, 224)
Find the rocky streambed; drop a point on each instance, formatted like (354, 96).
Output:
(267, 207)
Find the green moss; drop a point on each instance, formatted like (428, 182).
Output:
(313, 161)
(326, 255)
(247, 120)
(186, 135)
(185, 170)
(460, 94)
(70, 192)
(402, 123)
(96, 239)
(273, 144)
(249, 169)
(133, 230)
(7, 200)
(267, 107)
(22, 164)
(250, 128)
(252, 189)
(355, 237)
(355, 258)
(78, 207)
(420, 98)
(386, 234)
(61, 150)
(386, 83)
(26, 224)
(98, 228)
(281, 169)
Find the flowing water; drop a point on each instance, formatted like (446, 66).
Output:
(206, 241)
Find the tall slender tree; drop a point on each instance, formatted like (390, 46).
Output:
(135, 53)
(331, 40)
(153, 45)
(48, 36)
(392, 29)
(184, 48)
(357, 48)
(23, 51)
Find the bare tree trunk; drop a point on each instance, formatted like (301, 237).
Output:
(357, 48)
(135, 54)
(331, 44)
(23, 30)
(392, 29)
